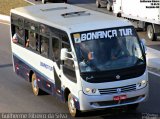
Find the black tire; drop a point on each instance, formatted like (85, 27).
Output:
(150, 33)
(71, 106)
(36, 90)
(98, 4)
(133, 107)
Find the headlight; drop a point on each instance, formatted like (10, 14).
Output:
(88, 90)
(141, 84)
(91, 91)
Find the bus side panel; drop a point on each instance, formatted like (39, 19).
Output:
(23, 69)
(45, 84)
(49, 87)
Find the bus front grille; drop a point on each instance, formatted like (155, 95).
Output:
(118, 89)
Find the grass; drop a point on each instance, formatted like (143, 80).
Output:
(7, 5)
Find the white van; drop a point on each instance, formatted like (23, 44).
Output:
(89, 59)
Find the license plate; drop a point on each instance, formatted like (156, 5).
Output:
(120, 97)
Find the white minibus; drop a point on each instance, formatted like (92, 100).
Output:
(88, 59)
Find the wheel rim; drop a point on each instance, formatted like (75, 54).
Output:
(108, 7)
(34, 84)
(97, 3)
(150, 32)
(43, 1)
(71, 105)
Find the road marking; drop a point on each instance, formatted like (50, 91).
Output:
(5, 23)
(154, 73)
(29, 2)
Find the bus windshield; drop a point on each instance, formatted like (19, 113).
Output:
(107, 49)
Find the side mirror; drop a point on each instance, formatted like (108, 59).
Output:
(65, 53)
(143, 42)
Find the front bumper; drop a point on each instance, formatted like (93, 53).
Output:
(106, 101)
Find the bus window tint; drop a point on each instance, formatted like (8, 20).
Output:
(19, 35)
(33, 40)
(56, 49)
(68, 67)
(68, 63)
(65, 39)
(44, 46)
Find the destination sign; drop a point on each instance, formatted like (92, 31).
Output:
(101, 34)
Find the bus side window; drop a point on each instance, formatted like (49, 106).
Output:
(56, 48)
(44, 46)
(26, 38)
(13, 28)
(18, 36)
(32, 41)
(65, 39)
(68, 65)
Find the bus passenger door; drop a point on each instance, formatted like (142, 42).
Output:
(57, 82)
(68, 67)
(56, 47)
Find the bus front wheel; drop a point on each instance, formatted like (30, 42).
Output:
(35, 88)
(71, 106)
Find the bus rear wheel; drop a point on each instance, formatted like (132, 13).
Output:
(71, 106)
(35, 88)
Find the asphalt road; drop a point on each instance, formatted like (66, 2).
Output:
(16, 94)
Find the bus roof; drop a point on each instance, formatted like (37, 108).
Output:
(72, 18)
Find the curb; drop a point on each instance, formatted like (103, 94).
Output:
(5, 18)
(29, 2)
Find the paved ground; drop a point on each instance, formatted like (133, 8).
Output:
(16, 94)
